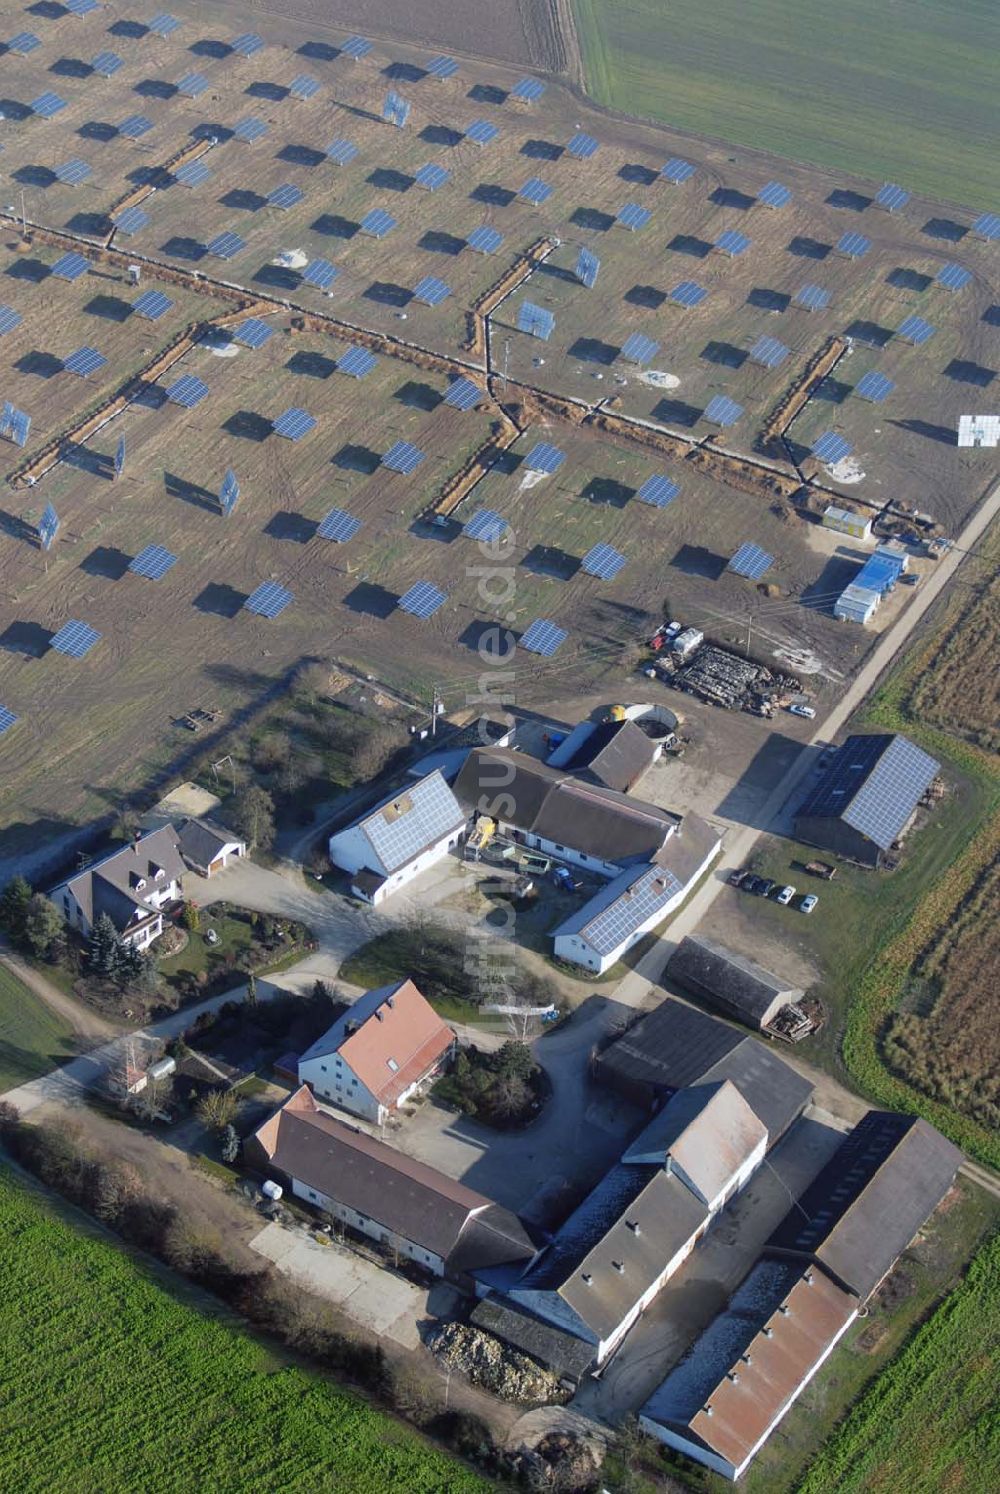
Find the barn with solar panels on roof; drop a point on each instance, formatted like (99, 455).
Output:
(865, 801)
(404, 835)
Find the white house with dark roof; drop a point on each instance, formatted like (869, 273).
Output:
(208, 848)
(132, 886)
(406, 834)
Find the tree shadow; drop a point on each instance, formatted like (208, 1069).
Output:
(286, 525)
(371, 600)
(248, 426)
(220, 600)
(695, 560)
(354, 458)
(311, 365)
(106, 562)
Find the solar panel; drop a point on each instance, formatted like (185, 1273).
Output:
(253, 333)
(732, 243)
(486, 526)
(320, 273)
(247, 45)
(152, 562)
(774, 195)
(229, 492)
(535, 191)
(831, 448)
(441, 67)
(535, 320)
(152, 305)
(688, 293)
(377, 223)
(268, 600)
(431, 177)
(187, 391)
(638, 348)
(603, 561)
(71, 173)
(130, 220)
(192, 85)
(658, 491)
(528, 90)
(293, 424)
(422, 599)
(75, 639)
(751, 561)
(853, 245)
(356, 47)
(9, 319)
(544, 458)
(106, 64)
(48, 527)
(14, 424)
(543, 637)
(47, 104)
(286, 196)
(722, 411)
(71, 266)
(7, 719)
(395, 109)
(191, 174)
(953, 277)
(978, 430)
(338, 525)
(357, 363)
(677, 171)
(915, 330)
(164, 24)
(225, 245)
(120, 457)
(84, 361)
(635, 908)
(812, 298)
(23, 43)
(250, 129)
(463, 394)
(587, 267)
(403, 457)
(81, 7)
(633, 216)
(891, 197)
(582, 146)
(481, 132)
(135, 126)
(987, 227)
(874, 387)
(485, 240)
(341, 152)
(303, 87)
(431, 291)
(768, 352)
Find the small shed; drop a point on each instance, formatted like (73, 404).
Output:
(733, 984)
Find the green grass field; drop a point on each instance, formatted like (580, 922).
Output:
(903, 91)
(109, 1383)
(32, 1038)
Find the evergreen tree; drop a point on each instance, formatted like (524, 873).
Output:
(14, 902)
(43, 926)
(106, 951)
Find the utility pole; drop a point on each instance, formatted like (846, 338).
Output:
(24, 217)
(749, 627)
(506, 363)
(435, 703)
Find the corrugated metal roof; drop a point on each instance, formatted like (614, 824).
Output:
(709, 1131)
(712, 971)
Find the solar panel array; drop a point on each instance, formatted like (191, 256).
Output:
(75, 639)
(48, 527)
(768, 352)
(225, 245)
(915, 330)
(268, 600)
(303, 87)
(544, 457)
(7, 719)
(253, 333)
(9, 319)
(853, 245)
(285, 196)
(463, 394)
(633, 216)
(24, 43)
(47, 105)
(152, 305)
(638, 348)
(953, 277)
(294, 424)
(582, 146)
(341, 152)
(987, 227)
(250, 130)
(395, 109)
(431, 291)
(535, 191)
(677, 170)
(543, 637)
(535, 320)
(153, 562)
(191, 174)
(874, 784)
(130, 220)
(658, 491)
(84, 361)
(831, 448)
(722, 411)
(732, 243)
(356, 47)
(319, 273)
(357, 363)
(587, 267)
(812, 298)
(431, 177)
(441, 67)
(891, 197)
(247, 45)
(229, 493)
(403, 456)
(651, 891)
(874, 387)
(422, 599)
(72, 172)
(135, 126)
(424, 816)
(15, 424)
(603, 561)
(774, 195)
(81, 7)
(528, 90)
(485, 240)
(688, 293)
(751, 561)
(71, 266)
(486, 526)
(106, 64)
(164, 24)
(338, 525)
(120, 457)
(192, 85)
(187, 392)
(481, 132)
(377, 223)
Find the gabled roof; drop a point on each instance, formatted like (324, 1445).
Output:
(390, 1038)
(411, 820)
(708, 1131)
(405, 1196)
(746, 988)
(613, 753)
(873, 784)
(623, 905)
(862, 1210)
(744, 1371)
(111, 885)
(201, 841)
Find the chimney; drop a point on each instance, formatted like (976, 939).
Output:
(768, 1332)
(619, 1267)
(587, 1277)
(707, 1409)
(808, 1278)
(378, 1015)
(784, 1310)
(746, 1359)
(733, 1376)
(633, 1225)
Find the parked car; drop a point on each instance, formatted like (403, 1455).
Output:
(802, 710)
(737, 878)
(211, 937)
(751, 883)
(785, 896)
(808, 903)
(766, 887)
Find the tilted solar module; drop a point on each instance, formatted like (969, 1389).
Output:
(873, 783)
(187, 391)
(293, 424)
(377, 223)
(853, 245)
(47, 104)
(638, 348)
(486, 526)
(535, 320)
(535, 191)
(106, 64)
(774, 195)
(253, 333)
(81, 7)
(75, 639)
(341, 152)
(164, 24)
(153, 562)
(338, 525)
(192, 85)
(482, 132)
(874, 387)
(953, 277)
(120, 457)
(247, 45)
(485, 240)
(152, 305)
(528, 90)
(268, 600)
(603, 561)
(135, 126)
(7, 719)
(687, 293)
(751, 561)
(395, 109)
(9, 319)
(431, 177)
(422, 599)
(24, 43)
(463, 394)
(812, 298)
(319, 273)
(356, 47)
(48, 527)
(71, 173)
(403, 457)
(225, 246)
(891, 197)
(633, 216)
(357, 363)
(914, 329)
(191, 174)
(229, 493)
(722, 411)
(431, 291)
(732, 243)
(768, 352)
(130, 220)
(831, 448)
(543, 637)
(677, 170)
(441, 67)
(583, 146)
(71, 266)
(285, 196)
(587, 267)
(658, 491)
(14, 424)
(987, 227)
(303, 87)
(250, 129)
(84, 361)
(544, 457)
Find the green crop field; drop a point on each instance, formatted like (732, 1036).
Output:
(32, 1039)
(109, 1383)
(903, 91)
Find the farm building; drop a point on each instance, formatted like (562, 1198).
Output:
(866, 799)
(862, 1210)
(876, 577)
(132, 886)
(611, 1257)
(615, 754)
(738, 987)
(403, 1205)
(378, 1053)
(563, 1353)
(637, 900)
(723, 1400)
(674, 1046)
(407, 833)
(208, 848)
(857, 605)
(846, 521)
